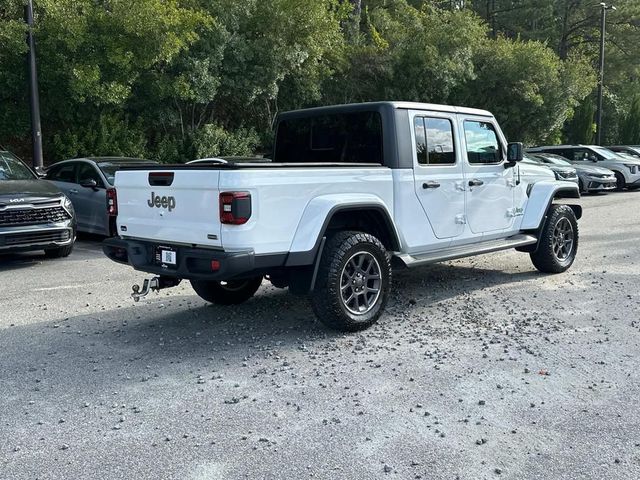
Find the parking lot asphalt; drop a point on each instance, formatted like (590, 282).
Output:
(481, 368)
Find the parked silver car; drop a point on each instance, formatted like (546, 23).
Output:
(88, 182)
(590, 177)
(633, 150)
(565, 173)
(625, 168)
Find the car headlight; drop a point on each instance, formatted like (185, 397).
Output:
(67, 205)
(560, 175)
(632, 168)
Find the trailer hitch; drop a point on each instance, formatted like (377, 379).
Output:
(153, 284)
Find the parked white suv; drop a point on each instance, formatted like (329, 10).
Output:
(626, 168)
(352, 192)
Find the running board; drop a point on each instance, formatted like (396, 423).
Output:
(462, 251)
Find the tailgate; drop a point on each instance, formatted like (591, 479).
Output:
(173, 206)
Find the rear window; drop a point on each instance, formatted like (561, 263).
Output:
(109, 169)
(338, 138)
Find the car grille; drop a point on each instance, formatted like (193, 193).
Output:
(33, 216)
(31, 238)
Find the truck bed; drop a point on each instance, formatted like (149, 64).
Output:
(183, 206)
(249, 165)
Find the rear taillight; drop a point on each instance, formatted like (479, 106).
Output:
(235, 208)
(112, 202)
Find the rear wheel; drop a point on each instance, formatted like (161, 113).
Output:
(232, 292)
(620, 181)
(353, 283)
(59, 252)
(558, 243)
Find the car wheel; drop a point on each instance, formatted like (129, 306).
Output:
(558, 243)
(353, 283)
(620, 181)
(59, 252)
(232, 292)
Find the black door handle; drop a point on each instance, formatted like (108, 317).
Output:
(475, 182)
(430, 184)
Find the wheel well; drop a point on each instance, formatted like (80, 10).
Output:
(566, 193)
(569, 193)
(368, 220)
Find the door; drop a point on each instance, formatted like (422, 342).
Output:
(90, 203)
(64, 176)
(438, 176)
(490, 186)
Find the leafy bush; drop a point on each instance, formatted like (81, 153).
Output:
(108, 135)
(213, 140)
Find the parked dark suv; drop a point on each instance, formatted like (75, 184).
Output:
(34, 213)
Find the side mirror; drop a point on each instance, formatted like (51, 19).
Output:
(40, 172)
(89, 183)
(515, 153)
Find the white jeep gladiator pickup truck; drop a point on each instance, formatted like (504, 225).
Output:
(352, 192)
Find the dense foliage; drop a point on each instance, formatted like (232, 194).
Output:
(180, 79)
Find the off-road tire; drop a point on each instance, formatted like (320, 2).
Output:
(59, 252)
(546, 257)
(232, 292)
(327, 297)
(620, 182)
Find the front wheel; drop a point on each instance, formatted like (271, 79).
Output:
(620, 182)
(232, 292)
(353, 283)
(558, 244)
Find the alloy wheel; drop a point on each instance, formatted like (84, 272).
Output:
(563, 239)
(360, 283)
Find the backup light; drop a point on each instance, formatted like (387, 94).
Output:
(112, 202)
(235, 208)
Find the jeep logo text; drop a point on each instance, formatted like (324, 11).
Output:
(161, 202)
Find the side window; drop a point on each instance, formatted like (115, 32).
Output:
(434, 141)
(483, 146)
(88, 172)
(63, 173)
(581, 155)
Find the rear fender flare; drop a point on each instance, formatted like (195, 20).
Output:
(317, 216)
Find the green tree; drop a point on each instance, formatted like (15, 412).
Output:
(630, 131)
(581, 128)
(530, 90)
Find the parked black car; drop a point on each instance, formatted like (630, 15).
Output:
(34, 213)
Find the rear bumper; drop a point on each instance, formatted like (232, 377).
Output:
(192, 263)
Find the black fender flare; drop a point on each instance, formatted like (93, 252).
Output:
(310, 257)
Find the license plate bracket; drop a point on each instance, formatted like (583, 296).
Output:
(166, 256)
